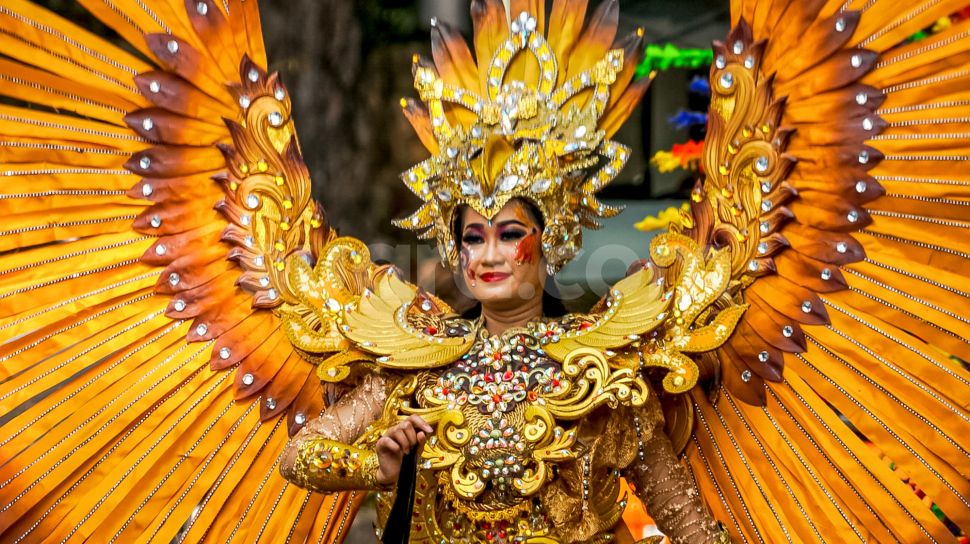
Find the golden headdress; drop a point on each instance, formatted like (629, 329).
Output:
(531, 120)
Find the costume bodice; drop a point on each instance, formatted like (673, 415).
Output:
(511, 440)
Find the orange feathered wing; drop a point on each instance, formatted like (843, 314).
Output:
(836, 174)
(147, 386)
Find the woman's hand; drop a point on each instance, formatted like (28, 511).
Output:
(397, 441)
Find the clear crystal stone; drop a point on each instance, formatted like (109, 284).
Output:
(155, 87)
(840, 24)
(145, 162)
(469, 187)
(160, 249)
(272, 294)
(299, 418)
(146, 189)
(762, 247)
(852, 216)
(271, 403)
(727, 80)
(826, 274)
(172, 46)
(444, 195)
(761, 164)
(147, 123)
(746, 376)
(252, 201)
(738, 47)
(279, 93)
(841, 247)
(787, 331)
(765, 186)
(861, 98)
(264, 281)
(201, 8)
(856, 60)
(225, 353)
(244, 101)
(867, 124)
(155, 221)
(863, 157)
(246, 220)
(540, 185)
(763, 356)
(174, 279)
(426, 305)
(861, 186)
(764, 227)
(508, 183)
(753, 266)
(248, 379)
(749, 62)
(720, 62)
(179, 305)
(580, 131)
(807, 306)
(275, 118)
(259, 261)
(766, 205)
(253, 75)
(201, 329)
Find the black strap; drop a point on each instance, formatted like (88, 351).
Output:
(398, 527)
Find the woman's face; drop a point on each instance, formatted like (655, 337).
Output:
(501, 259)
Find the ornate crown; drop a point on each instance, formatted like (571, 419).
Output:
(532, 123)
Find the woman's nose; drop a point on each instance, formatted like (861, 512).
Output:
(492, 254)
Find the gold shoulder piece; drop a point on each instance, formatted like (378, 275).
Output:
(636, 305)
(393, 324)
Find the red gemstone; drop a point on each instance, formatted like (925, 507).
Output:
(507, 376)
(430, 330)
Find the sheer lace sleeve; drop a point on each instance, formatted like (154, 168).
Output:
(321, 456)
(664, 486)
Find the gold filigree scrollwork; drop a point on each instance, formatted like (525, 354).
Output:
(268, 190)
(691, 327)
(744, 162)
(589, 383)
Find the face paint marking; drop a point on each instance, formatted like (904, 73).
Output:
(525, 249)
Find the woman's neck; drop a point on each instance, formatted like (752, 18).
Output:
(500, 319)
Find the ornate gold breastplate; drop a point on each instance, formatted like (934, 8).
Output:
(503, 416)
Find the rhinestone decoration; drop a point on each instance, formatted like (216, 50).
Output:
(841, 247)
(225, 353)
(155, 87)
(155, 221)
(720, 62)
(856, 60)
(244, 101)
(179, 305)
(201, 8)
(840, 25)
(173, 46)
(201, 329)
(727, 80)
(147, 123)
(146, 189)
(248, 379)
(852, 216)
(861, 98)
(807, 306)
(145, 162)
(160, 249)
(787, 331)
(826, 274)
(275, 118)
(174, 279)
(746, 376)
(763, 356)
(861, 186)
(867, 124)
(299, 418)
(271, 403)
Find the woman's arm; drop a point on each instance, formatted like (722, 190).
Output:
(320, 457)
(664, 486)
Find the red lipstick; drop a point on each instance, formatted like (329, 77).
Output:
(489, 277)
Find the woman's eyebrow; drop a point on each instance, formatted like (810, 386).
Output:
(512, 222)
